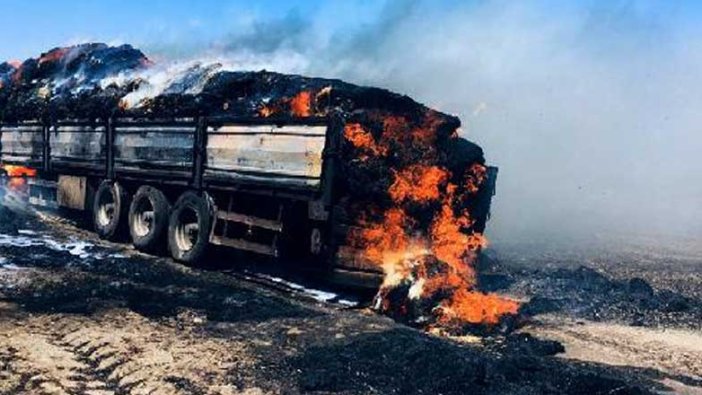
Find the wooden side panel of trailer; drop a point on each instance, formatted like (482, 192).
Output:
(225, 153)
(154, 148)
(78, 145)
(289, 155)
(22, 143)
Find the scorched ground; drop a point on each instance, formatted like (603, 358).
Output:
(79, 315)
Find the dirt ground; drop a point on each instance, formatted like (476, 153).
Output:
(81, 316)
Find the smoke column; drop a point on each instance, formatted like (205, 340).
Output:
(591, 111)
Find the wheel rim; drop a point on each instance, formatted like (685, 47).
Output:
(188, 229)
(106, 209)
(143, 217)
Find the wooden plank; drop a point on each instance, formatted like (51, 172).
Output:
(71, 192)
(353, 258)
(288, 151)
(244, 245)
(139, 129)
(154, 146)
(300, 130)
(226, 177)
(146, 164)
(354, 278)
(22, 142)
(76, 142)
(145, 121)
(250, 220)
(79, 128)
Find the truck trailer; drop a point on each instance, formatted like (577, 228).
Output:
(277, 165)
(181, 184)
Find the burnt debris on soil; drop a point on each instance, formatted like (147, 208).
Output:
(300, 347)
(401, 361)
(585, 293)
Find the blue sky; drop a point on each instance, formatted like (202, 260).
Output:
(31, 27)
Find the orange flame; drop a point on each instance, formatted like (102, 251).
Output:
(396, 244)
(301, 104)
(265, 111)
(476, 307)
(16, 184)
(418, 183)
(363, 140)
(454, 247)
(474, 177)
(19, 171)
(388, 244)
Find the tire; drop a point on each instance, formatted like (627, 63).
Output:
(110, 210)
(148, 219)
(189, 228)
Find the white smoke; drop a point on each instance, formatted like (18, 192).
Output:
(590, 110)
(188, 77)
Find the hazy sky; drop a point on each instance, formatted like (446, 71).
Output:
(591, 109)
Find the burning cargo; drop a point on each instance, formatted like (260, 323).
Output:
(364, 183)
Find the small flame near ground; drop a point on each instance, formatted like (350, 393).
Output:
(19, 171)
(435, 264)
(17, 177)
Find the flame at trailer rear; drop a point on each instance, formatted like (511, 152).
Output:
(363, 141)
(418, 183)
(436, 263)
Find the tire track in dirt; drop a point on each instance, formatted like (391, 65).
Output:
(38, 365)
(38, 361)
(112, 353)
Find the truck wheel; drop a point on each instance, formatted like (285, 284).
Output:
(109, 210)
(189, 228)
(148, 219)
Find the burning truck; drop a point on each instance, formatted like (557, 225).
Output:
(368, 186)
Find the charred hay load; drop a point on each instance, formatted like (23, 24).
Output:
(364, 183)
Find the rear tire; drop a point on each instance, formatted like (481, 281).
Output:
(148, 219)
(110, 210)
(189, 228)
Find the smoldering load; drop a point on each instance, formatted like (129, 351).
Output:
(409, 185)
